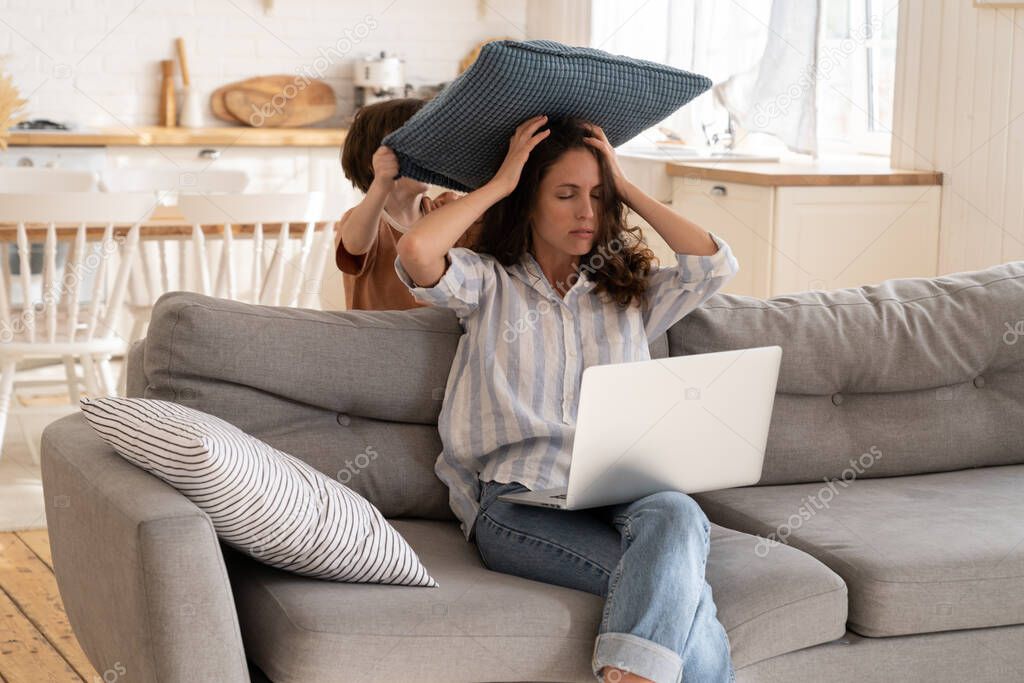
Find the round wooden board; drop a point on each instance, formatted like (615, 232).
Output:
(278, 101)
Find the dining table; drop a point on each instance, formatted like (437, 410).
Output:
(168, 231)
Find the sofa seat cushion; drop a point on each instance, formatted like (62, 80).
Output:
(924, 553)
(481, 625)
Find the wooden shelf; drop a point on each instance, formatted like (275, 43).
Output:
(147, 136)
(791, 174)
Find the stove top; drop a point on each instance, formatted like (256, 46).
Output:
(41, 124)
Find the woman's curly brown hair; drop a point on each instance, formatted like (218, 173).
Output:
(619, 260)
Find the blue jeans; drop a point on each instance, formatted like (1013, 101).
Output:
(646, 558)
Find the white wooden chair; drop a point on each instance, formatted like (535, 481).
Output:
(33, 179)
(65, 323)
(258, 248)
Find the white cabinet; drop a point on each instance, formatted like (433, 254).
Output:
(795, 238)
(270, 169)
(325, 173)
(68, 158)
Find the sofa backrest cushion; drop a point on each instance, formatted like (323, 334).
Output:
(135, 373)
(908, 376)
(356, 394)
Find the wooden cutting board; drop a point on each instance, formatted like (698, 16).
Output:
(274, 102)
(217, 104)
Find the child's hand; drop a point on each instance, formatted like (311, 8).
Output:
(522, 143)
(385, 167)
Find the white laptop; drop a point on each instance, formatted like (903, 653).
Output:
(687, 423)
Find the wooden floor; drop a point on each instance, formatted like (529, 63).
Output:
(36, 642)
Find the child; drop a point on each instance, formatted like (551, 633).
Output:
(366, 235)
(554, 245)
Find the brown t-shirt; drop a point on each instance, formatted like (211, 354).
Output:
(371, 283)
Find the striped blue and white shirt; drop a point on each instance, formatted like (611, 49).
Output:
(509, 411)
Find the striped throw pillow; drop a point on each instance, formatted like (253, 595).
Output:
(263, 502)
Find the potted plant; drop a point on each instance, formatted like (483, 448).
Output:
(11, 105)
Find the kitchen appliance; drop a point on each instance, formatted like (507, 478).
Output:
(378, 79)
(41, 124)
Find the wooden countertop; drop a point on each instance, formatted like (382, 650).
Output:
(144, 136)
(789, 173)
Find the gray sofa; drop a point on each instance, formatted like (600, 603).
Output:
(908, 565)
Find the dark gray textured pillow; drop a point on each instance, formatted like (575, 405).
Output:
(459, 138)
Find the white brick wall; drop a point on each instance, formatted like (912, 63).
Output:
(96, 62)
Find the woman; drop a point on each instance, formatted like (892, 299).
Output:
(558, 283)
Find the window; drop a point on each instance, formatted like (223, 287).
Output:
(718, 38)
(855, 104)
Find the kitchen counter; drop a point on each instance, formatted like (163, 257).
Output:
(148, 136)
(792, 173)
(800, 224)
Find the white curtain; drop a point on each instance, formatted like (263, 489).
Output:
(567, 21)
(778, 95)
(753, 50)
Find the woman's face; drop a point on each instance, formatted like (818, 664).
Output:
(568, 204)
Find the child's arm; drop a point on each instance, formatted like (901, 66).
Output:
(358, 228)
(422, 250)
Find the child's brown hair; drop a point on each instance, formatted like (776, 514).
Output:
(369, 127)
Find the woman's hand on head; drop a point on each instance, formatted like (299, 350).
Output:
(385, 168)
(520, 145)
(599, 141)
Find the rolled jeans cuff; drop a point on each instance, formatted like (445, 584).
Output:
(638, 656)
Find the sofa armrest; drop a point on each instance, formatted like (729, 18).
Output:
(139, 566)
